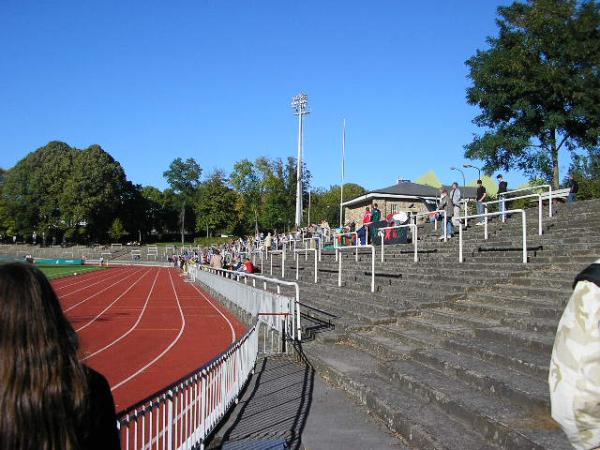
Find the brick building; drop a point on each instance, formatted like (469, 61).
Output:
(402, 196)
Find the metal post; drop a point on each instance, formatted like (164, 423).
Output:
(540, 231)
(340, 270)
(372, 268)
(485, 226)
(524, 237)
(460, 243)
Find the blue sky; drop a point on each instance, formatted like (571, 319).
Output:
(213, 80)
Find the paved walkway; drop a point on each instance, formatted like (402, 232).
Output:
(287, 406)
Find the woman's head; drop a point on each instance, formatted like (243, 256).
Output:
(42, 384)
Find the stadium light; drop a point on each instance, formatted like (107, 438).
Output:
(471, 166)
(300, 105)
(463, 176)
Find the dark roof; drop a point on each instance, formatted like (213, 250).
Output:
(420, 190)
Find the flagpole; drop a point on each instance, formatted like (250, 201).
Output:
(342, 186)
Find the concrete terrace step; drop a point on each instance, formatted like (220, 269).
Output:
(502, 422)
(424, 426)
(519, 358)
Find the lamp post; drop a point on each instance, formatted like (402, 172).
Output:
(471, 166)
(463, 176)
(300, 105)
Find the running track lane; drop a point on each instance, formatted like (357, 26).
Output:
(147, 332)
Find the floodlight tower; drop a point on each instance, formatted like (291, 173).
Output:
(300, 105)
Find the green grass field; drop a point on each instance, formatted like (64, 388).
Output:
(53, 272)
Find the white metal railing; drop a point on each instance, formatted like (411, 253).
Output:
(511, 211)
(278, 252)
(316, 262)
(415, 238)
(435, 225)
(340, 249)
(182, 415)
(255, 301)
(531, 188)
(540, 209)
(340, 235)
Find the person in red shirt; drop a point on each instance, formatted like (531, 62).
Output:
(248, 266)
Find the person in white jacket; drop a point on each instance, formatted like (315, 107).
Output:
(574, 375)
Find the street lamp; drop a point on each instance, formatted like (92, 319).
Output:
(300, 105)
(463, 176)
(471, 166)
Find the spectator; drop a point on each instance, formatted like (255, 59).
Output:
(268, 242)
(446, 205)
(49, 399)
(248, 266)
(216, 262)
(574, 189)
(575, 363)
(502, 188)
(367, 216)
(455, 196)
(375, 217)
(481, 197)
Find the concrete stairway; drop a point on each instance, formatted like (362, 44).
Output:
(450, 355)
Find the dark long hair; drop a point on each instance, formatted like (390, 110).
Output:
(43, 386)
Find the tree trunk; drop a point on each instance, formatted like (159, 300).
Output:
(555, 168)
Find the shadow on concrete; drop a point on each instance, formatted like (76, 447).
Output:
(273, 411)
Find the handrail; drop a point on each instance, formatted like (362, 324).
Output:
(184, 413)
(336, 247)
(372, 263)
(414, 230)
(486, 215)
(540, 209)
(530, 188)
(282, 253)
(297, 330)
(437, 211)
(316, 263)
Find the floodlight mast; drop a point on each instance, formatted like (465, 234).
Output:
(300, 105)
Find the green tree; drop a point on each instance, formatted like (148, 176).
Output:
(215, 205)
(586, 170)
(184, 179)
(63, 191)
(116, 230)
(326, 203)
(537, 86)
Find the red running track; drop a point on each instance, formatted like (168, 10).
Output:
(144, 327)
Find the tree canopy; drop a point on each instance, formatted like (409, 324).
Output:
(537, 86)
(83, 195)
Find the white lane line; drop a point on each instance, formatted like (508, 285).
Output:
(165, 351)
(137, 322)
(111, 277)
(100, 292)
(233, 337)
(115, 301)
(101, 273)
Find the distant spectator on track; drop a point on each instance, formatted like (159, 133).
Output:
(49, 400)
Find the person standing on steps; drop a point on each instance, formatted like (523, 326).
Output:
(455, 196)
(375, 217)
(446, 204)
(502, 187)
(574, 189)
(574, 376)
(481, 197)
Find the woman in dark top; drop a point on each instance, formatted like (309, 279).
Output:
(48, 399)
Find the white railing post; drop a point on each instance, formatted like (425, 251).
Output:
(372, 268)
(540, 230)
(460, 243)
(550, 201)
(524, 237)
